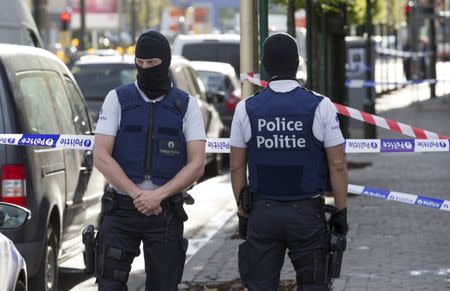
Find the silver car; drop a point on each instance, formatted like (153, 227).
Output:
(13, 269)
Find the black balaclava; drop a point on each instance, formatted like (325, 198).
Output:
(280, 56)
(155, 81)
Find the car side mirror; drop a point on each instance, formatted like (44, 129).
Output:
(215, 97)
(13, 216)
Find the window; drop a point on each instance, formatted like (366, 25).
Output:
(31, 39)
(96, 80)
(63, 109)
(213, 52)
(80, 115)
(191, 83)
(213, 81)
(35, 105)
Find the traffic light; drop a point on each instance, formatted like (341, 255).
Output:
(64, 18)
(408, 8)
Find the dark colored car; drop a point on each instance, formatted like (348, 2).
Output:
(38, 95)
(221, 79)
(209, 47)
(97, 75)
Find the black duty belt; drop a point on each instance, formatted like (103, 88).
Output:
(126, 202)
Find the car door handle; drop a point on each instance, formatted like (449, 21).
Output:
(85, 170)
(52, 169)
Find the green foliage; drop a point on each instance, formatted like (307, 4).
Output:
(384, 11)
(149, 12)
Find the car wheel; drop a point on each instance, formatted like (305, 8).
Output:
(47, 277)
(20, 286)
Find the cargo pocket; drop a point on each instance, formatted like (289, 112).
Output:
(243, 263)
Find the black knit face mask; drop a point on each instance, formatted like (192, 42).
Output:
(280, 56)
(155, 81)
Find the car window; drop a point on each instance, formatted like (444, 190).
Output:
(197, 82)
(31, 38)
(35, 104)
(63, 109)
(184, 80)
(213, 81)
(214, 52)
(80, 114)
(178, 78)
(97, 80)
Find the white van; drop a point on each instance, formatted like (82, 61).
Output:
(17, 25)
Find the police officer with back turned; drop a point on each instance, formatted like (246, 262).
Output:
(150, 146)
(289, 137)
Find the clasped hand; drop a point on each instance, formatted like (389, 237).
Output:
(148, 202)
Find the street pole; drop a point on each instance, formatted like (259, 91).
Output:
(291, 18)
(369, 104)
(309, 62)
(433, 50)
(249, 43)
(133, 21)
(82, 44)
(263, 32)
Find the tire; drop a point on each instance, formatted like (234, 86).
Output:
(20, 286)
(46, 278)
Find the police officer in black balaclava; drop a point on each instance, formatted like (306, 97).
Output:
(150, 146)
(280, 56)
(153, 81)
(291, 154)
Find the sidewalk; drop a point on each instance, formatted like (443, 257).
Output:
(391, 246)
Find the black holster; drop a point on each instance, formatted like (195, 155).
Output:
(109, 201)
(90, 246)
(176, 204)
(338, 243)
(245, 200)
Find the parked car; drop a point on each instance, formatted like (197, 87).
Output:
(220, 48)
(98, 75)
(209, 47)
(221, 78)
(38, 95)
(17, 25)
(13, 269)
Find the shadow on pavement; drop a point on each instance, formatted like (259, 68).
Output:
(287, 285)
(71, 277)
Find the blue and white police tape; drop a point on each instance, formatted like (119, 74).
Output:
(222, 145)
(400, 197)
(370, 83)
(77, 142)
(396, 145)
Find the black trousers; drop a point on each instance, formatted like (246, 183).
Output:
(273, 228)
(164, 248)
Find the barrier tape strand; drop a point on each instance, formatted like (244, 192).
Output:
(376, 120)
(385, 194)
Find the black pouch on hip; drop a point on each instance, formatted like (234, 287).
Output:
(109, 201)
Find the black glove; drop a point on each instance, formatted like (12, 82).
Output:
(243, 222)
(338, 222)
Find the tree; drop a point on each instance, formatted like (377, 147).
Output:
(384, 11)
(149, 12)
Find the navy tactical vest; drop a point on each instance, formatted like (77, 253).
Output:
(168, 145)
(285, 160)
